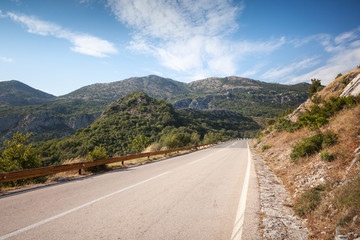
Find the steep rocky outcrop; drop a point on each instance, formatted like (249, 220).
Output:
(353, 88)
(44, 125)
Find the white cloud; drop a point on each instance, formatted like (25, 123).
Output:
(345, 56)
(188, 36)
(82, 43)
(340, 63)
(6, 60)
(284, 72)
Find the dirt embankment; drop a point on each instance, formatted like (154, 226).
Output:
(324, 185)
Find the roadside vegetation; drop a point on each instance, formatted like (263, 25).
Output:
(313, 151)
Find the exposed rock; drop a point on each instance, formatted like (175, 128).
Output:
(9, 122)
(182, 104)
(81, 121)
(201, 103)
(278, 221)
(42, 122)
(353, 88)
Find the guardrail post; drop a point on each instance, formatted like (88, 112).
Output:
(79, 171)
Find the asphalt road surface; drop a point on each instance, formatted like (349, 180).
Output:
(193, 196)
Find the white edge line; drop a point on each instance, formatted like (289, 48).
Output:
(239, 221)
(12, 234)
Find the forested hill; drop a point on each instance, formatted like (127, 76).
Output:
(138, 117)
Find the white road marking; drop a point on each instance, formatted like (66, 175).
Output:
(12, 234)
(239, 221)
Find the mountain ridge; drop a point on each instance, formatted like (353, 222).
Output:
(16, 93)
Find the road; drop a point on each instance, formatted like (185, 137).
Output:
(193, 196)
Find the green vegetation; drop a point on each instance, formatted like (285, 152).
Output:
(327, 156)
(18, 155)
(308, 201)
(265, 147)
(314, 87)
(53, 118)
(139, 143)
(317, 116)
(134, 122)
(97, 154)
(310, 145)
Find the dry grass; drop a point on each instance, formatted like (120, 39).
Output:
(310, 171)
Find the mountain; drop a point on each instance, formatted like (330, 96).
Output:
(15, 93)
(48, 121)
(315, 150)
(152, 85)
(139, 116)
(246, 96)
(62, 116)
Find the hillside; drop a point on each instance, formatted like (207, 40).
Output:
(63, 115)
(154, 86)
(316, 151)
(15, 93)
(48, 121)
(138, 116)
(246, 96)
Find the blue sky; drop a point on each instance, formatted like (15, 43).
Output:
(60, 46)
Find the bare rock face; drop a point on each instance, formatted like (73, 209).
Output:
(182, 104)
(81, 121)
(42, 122)
(353, 88)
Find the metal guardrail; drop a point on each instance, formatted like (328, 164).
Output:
(37, 172)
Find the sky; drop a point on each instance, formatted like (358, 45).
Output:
(60, 46)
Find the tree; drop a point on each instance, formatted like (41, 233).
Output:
(139, 143)
(17, 155)
(314, 87)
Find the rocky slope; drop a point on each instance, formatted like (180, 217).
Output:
(319, 163)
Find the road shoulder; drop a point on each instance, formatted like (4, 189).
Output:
(277, 219)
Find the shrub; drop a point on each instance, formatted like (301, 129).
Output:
(316, 99)
(270, 122)
(307, 146)
(339, 75)
(327, 156)
(284, 124)
(308, 201)
(212, 137)
(97, 153)
(139, 143)
(265, 147)
(18, 155)
(310, 145)
(330, 138)
(314, 87)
